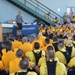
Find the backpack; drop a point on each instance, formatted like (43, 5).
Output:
(37, 56)
(67, 56)
(21, 73)
(69, 49)
(51, 67)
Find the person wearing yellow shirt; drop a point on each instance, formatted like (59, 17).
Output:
(73, 19)
(71, 66)
(16, 43)
(4, 50)
(47, 15)
(27, 46)
(70, 48)
(14, 64)
(55, 20)
(23, 68)
(39, 41)
(9, 55)
(52, 66)
(36, 54)
(63, 55)
(1, 65)
(73, 41)
(72, 62)
(43, 59)
(41, 37)
(47, 43)
(55, 43)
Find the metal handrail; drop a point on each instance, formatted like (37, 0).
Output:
(45, 9)
(38, 8)
(49, 9)
(42, 8)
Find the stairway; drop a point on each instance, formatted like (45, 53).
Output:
(36, 9)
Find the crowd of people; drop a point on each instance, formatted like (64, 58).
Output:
(66, 18)
(52, 52)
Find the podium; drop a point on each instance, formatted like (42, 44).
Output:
(0, 32)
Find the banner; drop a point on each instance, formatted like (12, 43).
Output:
(27, 29)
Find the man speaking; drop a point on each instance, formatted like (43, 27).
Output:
(19, 21)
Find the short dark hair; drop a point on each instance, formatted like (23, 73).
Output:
(54, 39)
(16, 38)
(19, 53)
(24, 63)
(47, 40)
(61, 44)
(8, 46)
(74, 37)
(36, 45)
(49, 48)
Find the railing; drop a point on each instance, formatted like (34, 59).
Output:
(42, 9)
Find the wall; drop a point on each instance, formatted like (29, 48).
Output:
(8, 12)
(55, 4)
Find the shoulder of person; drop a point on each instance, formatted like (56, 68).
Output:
(61, 64)
(31, 73)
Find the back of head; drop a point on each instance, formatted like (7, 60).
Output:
(60, 44)
(50, 52)
(50, 48)
(24, 64)
(74, 37)
(36, 45)
(8, 46)
(16, 38)
(24, 39)
(54, 39)
(19, 53)
(47, 40)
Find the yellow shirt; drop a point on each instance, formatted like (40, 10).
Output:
(29, 73)
(43, 39)
(60, 69)
(55, 20)
(45, 47)
(14, 65)
(43, 60)
(39, 41)
(72, 62)
(30, 55)
(1, 65)
(61, 57)
(26, 47)
(6, 58)
(3, 51)
(51, 41)
(16, 44)
(73, 51)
